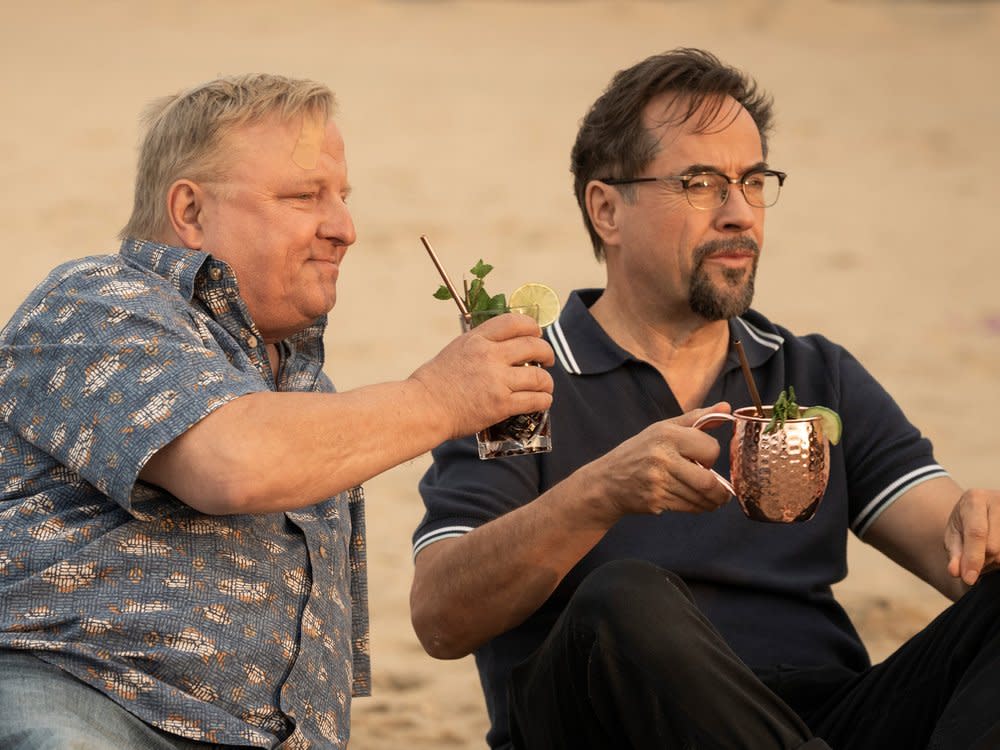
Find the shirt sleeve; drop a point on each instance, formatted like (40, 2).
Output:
(462, 492)
(102, 370)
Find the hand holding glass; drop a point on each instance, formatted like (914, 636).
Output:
(522, 433)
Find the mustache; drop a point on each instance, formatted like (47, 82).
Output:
(730, 243)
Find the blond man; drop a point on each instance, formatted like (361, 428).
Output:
(182, 543)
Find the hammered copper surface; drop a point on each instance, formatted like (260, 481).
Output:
(779, 476)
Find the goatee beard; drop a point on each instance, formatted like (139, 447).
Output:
(712, 303)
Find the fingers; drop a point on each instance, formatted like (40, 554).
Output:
(973, 534)
(992, 556)
(695, 452)
(527, 349)
(953, 545)
(530, 389)
(529, 377)
(975, 528)
(518, 338)
(480, 379)
(698, 488)
(651, 472)
(693, 445)
(980, 534)
(689, 418)
(507, 326)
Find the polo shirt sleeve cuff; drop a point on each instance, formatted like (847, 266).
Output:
(895, 490)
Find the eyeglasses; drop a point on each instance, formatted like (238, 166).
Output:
(709, 190)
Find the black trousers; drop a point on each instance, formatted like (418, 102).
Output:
(604, 678)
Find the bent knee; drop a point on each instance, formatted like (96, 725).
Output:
(632, 600)
(622, 581)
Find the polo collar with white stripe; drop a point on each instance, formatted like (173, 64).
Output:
(582, 347)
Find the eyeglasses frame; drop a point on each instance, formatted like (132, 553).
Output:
(686, 178)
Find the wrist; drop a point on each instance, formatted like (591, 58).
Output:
(430, 410)
(593, 499)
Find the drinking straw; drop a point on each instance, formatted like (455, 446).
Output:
(447, 282)
(749, 377)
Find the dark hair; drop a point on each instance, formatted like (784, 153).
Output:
(612, 140)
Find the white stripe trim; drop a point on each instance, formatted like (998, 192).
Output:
(891, 494)
(562, 350)
(770, 340)
(445, 532)
(551, 338)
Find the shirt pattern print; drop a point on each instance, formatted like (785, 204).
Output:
(241, 629)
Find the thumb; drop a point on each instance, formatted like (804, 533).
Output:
(953, 545)
(689, 418)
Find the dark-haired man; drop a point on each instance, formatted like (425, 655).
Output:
(605, 605)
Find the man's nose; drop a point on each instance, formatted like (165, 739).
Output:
(736, 213)
(337, 225)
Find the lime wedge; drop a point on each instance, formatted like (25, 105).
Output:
(534, 293)
(832, 426)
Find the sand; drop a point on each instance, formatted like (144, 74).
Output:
(459, 118)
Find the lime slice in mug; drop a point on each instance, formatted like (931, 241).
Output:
(832, 426)
(534, 293)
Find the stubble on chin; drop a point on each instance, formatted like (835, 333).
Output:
(734, 296)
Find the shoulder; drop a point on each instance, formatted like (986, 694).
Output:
(97, 276)
(809, 350)
(814, 358)
(86, 289)
(820, 369)
(775, 335)
(81, 272)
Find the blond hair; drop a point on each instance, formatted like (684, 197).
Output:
(184, 133)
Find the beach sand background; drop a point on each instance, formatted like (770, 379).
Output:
(459, 117)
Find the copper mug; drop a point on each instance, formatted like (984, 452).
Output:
(778, 476)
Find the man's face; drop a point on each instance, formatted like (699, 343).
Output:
(684, 260)
(280, 219)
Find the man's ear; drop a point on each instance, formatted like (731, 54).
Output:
(603, 204)
(185, 201)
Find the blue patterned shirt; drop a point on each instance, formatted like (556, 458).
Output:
(240, 629)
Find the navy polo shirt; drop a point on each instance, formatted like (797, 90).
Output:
(765, 587)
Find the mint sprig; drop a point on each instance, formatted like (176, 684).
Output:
(476, 296)
(784, 408)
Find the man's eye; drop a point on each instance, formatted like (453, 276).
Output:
(754, 181)
(306, 196)
(701, 183)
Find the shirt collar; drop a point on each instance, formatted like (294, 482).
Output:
(582, 347)
(181, 266)
(178, 265)
(761, 339)
(580, 344)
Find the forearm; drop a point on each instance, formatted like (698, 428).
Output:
(268, 452)
(469, 589)
(912, 530)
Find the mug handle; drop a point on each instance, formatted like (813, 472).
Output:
(711, 420)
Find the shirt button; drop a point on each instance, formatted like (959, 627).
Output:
(252, 342)
(322, 552)
(215, 274)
